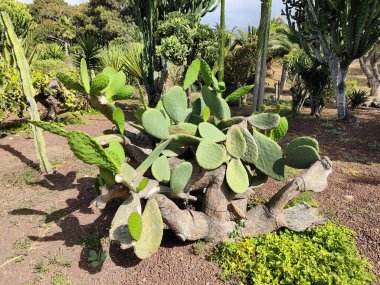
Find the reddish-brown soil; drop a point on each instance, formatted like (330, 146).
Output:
(47, 229)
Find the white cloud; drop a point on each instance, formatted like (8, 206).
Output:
(72, 2)
(242, 13)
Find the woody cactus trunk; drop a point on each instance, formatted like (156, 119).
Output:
(193, 169)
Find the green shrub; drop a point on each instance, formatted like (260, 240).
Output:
(53, 51)
(52, 66)
(357, 98)
(351, 86)
(324, 255)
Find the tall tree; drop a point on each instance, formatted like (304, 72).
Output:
(339, 32)
(222, 40)
(111, 18)
(147, 15)
(369, 63)
(261, 54)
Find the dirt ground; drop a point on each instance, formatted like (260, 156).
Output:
(47, 229)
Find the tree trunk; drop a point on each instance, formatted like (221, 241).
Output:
(339, 73)
(372, 73)
(284, 74)
(261, 55)
(222, 40)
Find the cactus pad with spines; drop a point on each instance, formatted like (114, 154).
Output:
(281, 130)
(270, 160)
(52, 128)
(119, 228)
(135, 225)
(180, 177)
(155, 124)
(301, 141)
(152, 231)
(192, 74)
(235, 143)
(161, 170)
(210, 155)
(206, 72)
(237, 177)
(183, 128)
(174, 149)
(89, 151)
(119, 119)
(99, 84)
(175, 103)
(252, 152)
(302, 157)
(211, 133)
(264, 121)
(116, 152)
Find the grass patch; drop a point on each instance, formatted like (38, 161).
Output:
(61, 279)
(337, 133)
(254, 201)
(22, 244)
(291, 172)
(328, 125)
(324, 255)
(305, 197)
(353, 172)
(374, 145)
(199, 247)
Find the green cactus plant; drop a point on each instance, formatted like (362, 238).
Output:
(180, 177)
(300, 141)
(119, 228)
(237, 177)
(236, 144)
(205, 132)
(302, 157)
(152, 231)
(161, 169)
(175, 104)
(155, 124)
(211, 133)
(210, 155)
(265, 121)
(135, 225)
(270, 160)
(27, 86)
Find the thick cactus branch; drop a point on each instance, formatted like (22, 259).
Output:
(214, 226)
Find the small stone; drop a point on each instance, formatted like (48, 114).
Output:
(349, 197)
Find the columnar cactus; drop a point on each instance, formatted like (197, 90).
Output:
(174, 151)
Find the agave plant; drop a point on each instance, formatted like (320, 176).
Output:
(201, 155)
(90, 51)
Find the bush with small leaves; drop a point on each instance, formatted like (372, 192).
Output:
(325, 255)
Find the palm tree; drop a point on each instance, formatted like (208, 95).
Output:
(281, 42)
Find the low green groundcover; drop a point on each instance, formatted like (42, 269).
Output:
(322, 256)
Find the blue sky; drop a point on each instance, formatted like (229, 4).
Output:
(239, 13)
(242, 13)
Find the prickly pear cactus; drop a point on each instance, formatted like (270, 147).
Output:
(204, 136)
